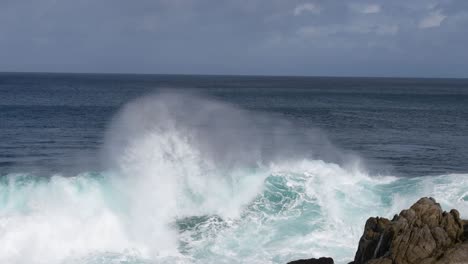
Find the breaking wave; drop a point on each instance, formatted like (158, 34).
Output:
(191, 180)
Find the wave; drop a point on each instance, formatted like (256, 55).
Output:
(192, 180)
(306, 209)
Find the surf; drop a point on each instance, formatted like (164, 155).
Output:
(188, 179)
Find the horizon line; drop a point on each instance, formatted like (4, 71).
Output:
(232, 75)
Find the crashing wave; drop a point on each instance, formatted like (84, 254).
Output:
(192, 180)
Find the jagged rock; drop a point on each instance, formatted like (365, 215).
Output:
(313, 261)
(370, 239)
(423, 234)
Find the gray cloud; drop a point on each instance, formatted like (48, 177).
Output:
(299, 37)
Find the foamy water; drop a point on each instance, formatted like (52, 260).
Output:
(187, 180)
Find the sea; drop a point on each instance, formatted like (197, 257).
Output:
(121, 168)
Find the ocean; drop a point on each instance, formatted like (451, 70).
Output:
(109, 168)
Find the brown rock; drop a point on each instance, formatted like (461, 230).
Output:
(422, 234)
(455, 255)
(465, 230)
(369, 243)
(380, 261)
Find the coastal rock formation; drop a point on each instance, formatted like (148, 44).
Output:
(423, 234)
(313, 261)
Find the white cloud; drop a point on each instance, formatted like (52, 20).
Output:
(366, 9)
(320, 31)
(307, 7)
(370, 9)
(434, 19)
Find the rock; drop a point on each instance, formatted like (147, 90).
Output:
(371, 239)
(465, 228)
(313, 261)
(423, 234)
(455, 255)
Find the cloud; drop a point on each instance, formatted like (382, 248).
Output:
(366, 9)
(359, 29)
(434, 19)
(306, 8)
(234, 36)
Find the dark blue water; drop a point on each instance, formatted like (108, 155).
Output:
(408, 127)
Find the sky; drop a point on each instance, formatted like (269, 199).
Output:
(408, 38)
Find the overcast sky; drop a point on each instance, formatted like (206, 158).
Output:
(259, 37)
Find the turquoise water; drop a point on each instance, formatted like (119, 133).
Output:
(309, 209)
(92, 171)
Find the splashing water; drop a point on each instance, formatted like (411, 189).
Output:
(190, 180)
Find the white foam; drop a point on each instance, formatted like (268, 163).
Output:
(171, 157)
(47, 222)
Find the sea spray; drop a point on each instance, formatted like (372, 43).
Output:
(182, 155)
(192, 180)
(47, 220)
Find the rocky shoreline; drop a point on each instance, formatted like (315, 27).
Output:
(422, 234)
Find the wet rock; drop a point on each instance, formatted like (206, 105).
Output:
(313, 261)
(423, 234)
